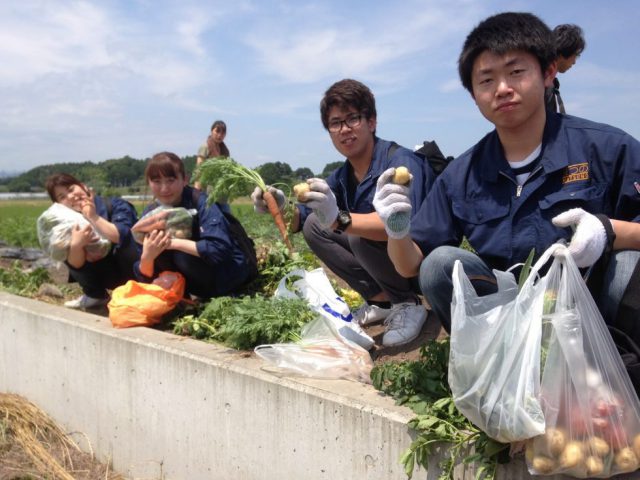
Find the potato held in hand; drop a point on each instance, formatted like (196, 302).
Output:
(401, 176)
(300, 191)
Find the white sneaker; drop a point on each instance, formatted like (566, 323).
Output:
(368, 314)
(354, 333)
(403, 324)
(83, 302)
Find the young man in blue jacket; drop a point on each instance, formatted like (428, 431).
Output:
(338, 219)
(537, 178)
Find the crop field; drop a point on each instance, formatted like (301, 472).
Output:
(18, 222)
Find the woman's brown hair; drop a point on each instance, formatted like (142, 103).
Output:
(164, 164)
(60, 180)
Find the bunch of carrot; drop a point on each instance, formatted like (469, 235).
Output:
(223, 177)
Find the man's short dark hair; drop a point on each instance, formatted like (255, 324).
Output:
(347, 94)
(568, 40)
(503, 33)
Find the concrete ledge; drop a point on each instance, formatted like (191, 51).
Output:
(164, 406)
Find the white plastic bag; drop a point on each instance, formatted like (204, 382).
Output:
(494, 362)
(54, 228)
(322, 353)
(177, 221)
(591, 409)
(314, 287)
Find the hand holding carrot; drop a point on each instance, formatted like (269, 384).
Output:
(260, 205)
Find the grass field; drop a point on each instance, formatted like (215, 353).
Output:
(18, 222)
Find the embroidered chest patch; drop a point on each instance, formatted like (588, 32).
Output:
(576, 173)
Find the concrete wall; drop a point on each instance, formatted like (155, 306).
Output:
(163, 406)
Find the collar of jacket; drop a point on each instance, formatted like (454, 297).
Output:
(495, 162)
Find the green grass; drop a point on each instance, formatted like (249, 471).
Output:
(18, 221)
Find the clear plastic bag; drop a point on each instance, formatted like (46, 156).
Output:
(591, 410)
(494, 362)
(314, 287)
(178, 221)
(54, 228)
(321, 353)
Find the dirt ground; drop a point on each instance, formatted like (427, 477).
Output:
(411, 351)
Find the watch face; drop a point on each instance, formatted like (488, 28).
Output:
(344, 220)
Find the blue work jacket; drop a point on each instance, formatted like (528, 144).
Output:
(361, 200)
(213, 240)
(583, 164)
(123, 215)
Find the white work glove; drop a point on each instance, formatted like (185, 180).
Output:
(589, 237)
(322, 201)
(260, 206)
(393, 205)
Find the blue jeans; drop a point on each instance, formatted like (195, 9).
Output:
(437, 287)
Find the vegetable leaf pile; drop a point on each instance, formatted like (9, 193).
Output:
(15, 280)
(423, 386)
(246, 322)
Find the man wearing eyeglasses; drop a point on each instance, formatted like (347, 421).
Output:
(338, 219)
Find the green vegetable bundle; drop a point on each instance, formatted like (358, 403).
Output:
(246, 322)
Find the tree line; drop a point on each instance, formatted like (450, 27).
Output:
(126, 175)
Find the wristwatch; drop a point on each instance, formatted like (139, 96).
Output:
(344, 220)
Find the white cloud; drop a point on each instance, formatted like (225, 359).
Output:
(387, 48)
(87, 79)
(42, 38)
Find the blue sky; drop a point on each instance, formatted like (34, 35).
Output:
(93, 80)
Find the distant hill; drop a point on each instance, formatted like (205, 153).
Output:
(125, 175)
(119, 173)
(8, 174)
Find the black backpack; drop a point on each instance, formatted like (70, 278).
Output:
(430, 152)
(239, 235)
(245, 242)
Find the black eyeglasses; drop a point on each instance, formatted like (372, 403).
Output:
(352, 121)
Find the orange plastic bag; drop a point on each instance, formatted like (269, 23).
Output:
(136, 304)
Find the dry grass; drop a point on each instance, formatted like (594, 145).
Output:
(32, 446)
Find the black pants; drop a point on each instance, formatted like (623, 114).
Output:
(364, 264)
(112, 271)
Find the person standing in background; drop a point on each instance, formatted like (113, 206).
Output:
(570, 44)
(212, 148)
